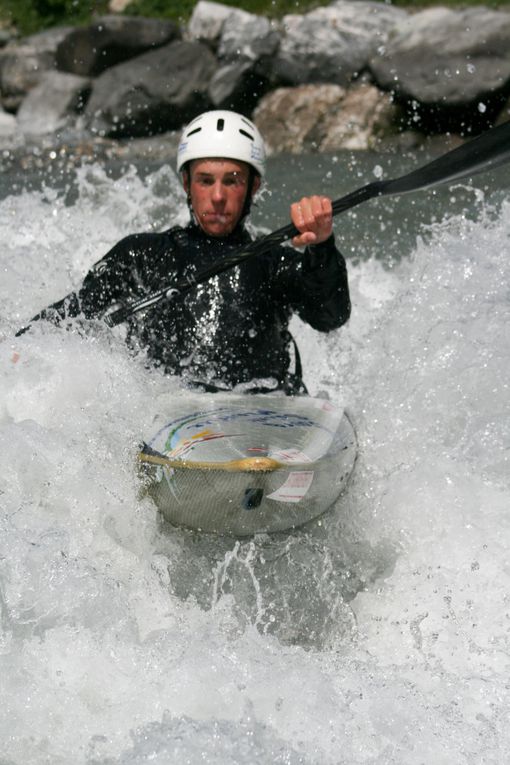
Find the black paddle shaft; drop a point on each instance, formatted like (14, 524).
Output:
(487, 151)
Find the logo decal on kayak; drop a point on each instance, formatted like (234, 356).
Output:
(294, 488)
(179, 437)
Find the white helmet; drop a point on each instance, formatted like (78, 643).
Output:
(225, 134)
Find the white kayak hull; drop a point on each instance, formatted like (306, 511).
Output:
(241, 465)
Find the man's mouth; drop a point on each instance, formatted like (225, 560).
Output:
(213, 217)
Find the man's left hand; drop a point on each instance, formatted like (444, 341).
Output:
(313, 218)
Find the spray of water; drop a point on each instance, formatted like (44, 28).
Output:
(379, 634)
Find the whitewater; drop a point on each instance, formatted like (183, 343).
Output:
(378, 634)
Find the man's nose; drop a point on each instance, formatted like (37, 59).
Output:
(218, 192)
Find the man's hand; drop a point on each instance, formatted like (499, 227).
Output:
(313, 218)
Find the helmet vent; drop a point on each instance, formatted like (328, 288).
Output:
(192, 132)
(220, 125)
(243, 132)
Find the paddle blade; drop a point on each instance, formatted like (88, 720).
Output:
(476, 156)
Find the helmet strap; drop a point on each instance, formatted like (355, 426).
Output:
(186, 175)
(249, 195)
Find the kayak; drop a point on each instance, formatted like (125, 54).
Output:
(246, 464)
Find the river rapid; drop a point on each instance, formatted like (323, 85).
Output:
(378, 634)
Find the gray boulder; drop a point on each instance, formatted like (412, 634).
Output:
(5, 37)
(246, 47)
(335, 43)
(237, 86)
(315, 118)
(8, 125)
(247, 37)
(88, 51)
(23, 64)
(446, 60)
(151, 93)
(48, 106)
(206, 22)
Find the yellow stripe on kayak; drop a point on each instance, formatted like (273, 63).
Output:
(246, 465)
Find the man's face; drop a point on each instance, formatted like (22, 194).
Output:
(218, 188)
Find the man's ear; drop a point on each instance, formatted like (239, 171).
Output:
(255, 185)
(185, 181)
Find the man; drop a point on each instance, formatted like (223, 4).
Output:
(233, 329)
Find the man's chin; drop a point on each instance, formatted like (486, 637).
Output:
(217, 228)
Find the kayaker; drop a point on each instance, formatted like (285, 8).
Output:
(232, 331)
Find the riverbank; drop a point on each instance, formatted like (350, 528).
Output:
(347, 75)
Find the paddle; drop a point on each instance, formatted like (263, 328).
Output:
(244, 465)
(478, 155)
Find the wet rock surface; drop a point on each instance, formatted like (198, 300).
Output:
(149, 94)
(333, 44)
(88, 51)
(448, 65)
(47, 106)
(23, 64)
(323, 118)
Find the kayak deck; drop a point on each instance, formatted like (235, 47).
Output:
(241, 465)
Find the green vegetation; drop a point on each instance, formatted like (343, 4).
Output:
(182, 10)
(29, 16)
(278, 8)
(419, 5)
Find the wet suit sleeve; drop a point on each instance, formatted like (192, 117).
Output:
(116, 277)
(315, 285)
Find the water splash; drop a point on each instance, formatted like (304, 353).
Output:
(377, 635)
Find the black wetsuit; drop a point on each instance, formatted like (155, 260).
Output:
(231, 329)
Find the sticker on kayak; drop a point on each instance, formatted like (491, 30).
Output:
(294, 488)
(179, 436)
(289, 456)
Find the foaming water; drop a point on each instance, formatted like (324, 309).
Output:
(378, 634)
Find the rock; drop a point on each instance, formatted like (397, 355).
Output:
(238, 87)
(440, 61)
(5, 37)
(246, 47)
(333, 44)
(151, 93)
(88, 51)
(23, 64)
(504, 115)
(247, 37)
(206, 22)
(118, 6)
(323, 118)
(367, 116)
(288, 117)
(55, 98)
(8, 125)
